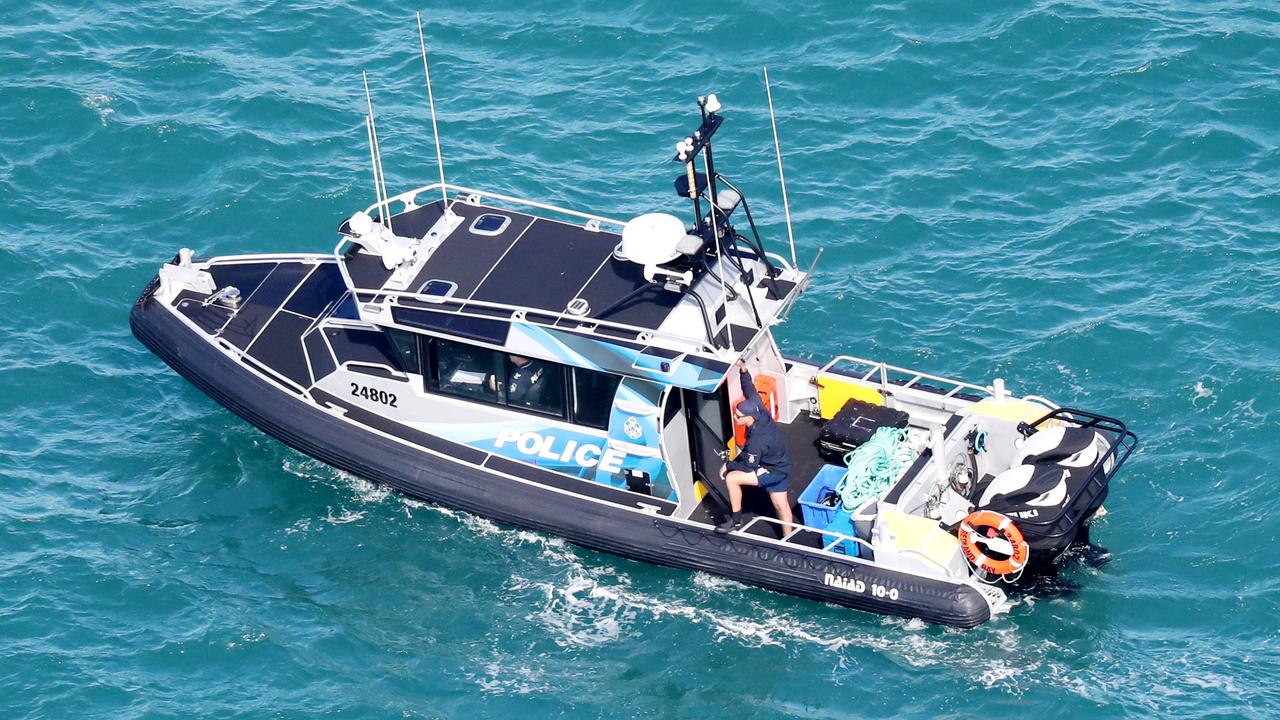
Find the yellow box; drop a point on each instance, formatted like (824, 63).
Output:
(1012, 409)
(835, 390)
(921, 535)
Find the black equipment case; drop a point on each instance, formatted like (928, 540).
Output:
(856, 422)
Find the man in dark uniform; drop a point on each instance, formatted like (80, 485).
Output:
(524, 380)
(763, 461)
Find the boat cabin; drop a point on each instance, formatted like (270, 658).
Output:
(596, 348)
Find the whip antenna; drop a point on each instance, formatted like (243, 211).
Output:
(777, 149)
(375, 153)
(426, 69)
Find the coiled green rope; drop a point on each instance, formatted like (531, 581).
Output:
(874, 466)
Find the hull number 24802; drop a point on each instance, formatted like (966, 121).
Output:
(374, 394)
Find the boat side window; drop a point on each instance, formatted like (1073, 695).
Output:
(406, 350)
(593, 397)
(523, 383)
(535, 385)
(467, 371)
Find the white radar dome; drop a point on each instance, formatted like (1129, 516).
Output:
(360, 224)
(652, 239)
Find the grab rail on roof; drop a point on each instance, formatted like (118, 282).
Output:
(533, 316)
(473, 197)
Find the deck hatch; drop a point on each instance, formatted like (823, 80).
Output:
(490, 224)
(438, 289)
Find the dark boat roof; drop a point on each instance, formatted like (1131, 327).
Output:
(534, 262)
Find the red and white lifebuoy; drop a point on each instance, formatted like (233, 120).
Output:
(984, 525)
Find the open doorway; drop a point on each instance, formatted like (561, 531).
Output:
(710, 430)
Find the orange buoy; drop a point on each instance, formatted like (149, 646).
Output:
(994, 525)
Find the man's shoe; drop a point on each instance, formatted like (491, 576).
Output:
(729, 524)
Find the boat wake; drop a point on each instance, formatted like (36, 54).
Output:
(579, 601)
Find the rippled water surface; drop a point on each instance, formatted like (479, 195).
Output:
(1081, 198)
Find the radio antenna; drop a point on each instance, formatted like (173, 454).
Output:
(375, 153)
(777, 149)
(431, 100)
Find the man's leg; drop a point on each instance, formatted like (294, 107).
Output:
(735, 479)
(782, 504)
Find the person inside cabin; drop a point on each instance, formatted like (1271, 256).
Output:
(524, 381)
(763, 461)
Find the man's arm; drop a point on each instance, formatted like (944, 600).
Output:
(748, 386)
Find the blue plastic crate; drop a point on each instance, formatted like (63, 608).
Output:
(816, 514)
(824, 516)
(843, 524)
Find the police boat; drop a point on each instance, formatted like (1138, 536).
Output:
(577, 375)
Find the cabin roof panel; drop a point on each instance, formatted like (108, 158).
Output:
(534, 263)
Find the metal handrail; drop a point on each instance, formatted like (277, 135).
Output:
(640, 333)
(409, 199)
(1041, 400)
(265, 257)
(882, 371)
(800, 527)
(519, 313)
(392, 372)
(784, 263)
(841, 537)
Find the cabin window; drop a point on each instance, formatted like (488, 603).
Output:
(496, 377)
(535, 385)
(346, 308)
(370, 347)
(468, 372)
(593, 397)
(582, 396)
(405, 345)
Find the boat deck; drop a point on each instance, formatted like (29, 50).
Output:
(281, 300)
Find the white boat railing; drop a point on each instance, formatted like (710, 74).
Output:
(473, 196)
(797, 528)
(828, 547)
(549, 318)
(520, 313)
(890, 377)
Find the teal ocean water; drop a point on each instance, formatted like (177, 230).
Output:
(1083, 198)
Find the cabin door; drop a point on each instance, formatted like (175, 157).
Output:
(709, 425)
(677, 448)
